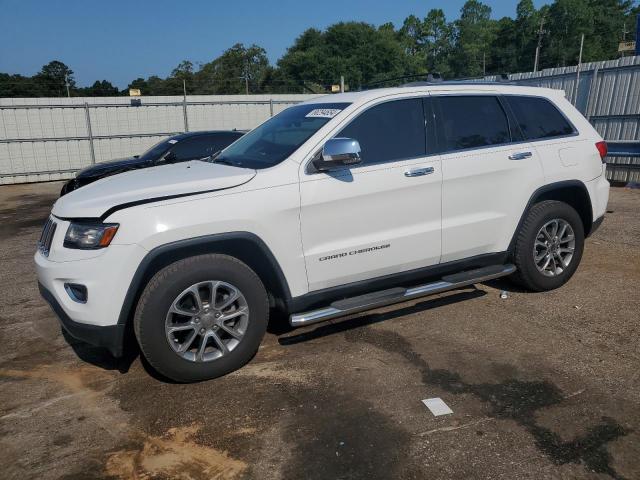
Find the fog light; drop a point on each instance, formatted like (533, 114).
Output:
(77, 292)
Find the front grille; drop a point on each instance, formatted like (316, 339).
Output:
(44, 244)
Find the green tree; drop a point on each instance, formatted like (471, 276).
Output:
(359, 51)
(438, 35)
(18, 86)
(526, 36)
(505, 50)
(475, 33)
(99, 89)
(237, 70)
(412, 35)
(184, 70)
(53, 79)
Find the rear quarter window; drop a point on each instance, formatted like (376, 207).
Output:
(538, 118)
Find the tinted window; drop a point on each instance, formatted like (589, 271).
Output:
(280, 136)
(220, 141)
(193, 148)
(389, 131)
(538, 118)
(156, 151)
(472, 121)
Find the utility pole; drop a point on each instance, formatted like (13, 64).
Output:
(624, 36)
(540, 33)
(66, 83)
(246, 77)
(575, 96)
(184, 105)
(341, 83)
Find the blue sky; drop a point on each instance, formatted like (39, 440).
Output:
(120, 41)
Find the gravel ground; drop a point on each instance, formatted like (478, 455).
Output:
(542, 386)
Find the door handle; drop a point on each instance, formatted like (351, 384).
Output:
(519, 156)
(418, 172)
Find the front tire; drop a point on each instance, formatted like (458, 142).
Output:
(548, 246)
(201, 317)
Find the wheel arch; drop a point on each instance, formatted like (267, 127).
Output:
(246, 247)
(571, 192)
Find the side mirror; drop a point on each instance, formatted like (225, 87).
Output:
(338, 153)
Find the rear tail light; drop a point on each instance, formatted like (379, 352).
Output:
(602, 150)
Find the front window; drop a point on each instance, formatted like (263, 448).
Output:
(279, 137)
(390, 131)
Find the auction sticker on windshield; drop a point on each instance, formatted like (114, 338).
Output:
(323, 112)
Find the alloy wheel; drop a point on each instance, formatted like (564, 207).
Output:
(207, 321)
(553, 247)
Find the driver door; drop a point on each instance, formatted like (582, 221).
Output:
(382, 216)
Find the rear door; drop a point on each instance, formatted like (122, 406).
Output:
(488, 174)
(381, 216)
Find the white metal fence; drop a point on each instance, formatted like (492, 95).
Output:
(50, 138)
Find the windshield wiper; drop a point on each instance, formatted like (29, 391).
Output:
(214, 159)
(223, 161)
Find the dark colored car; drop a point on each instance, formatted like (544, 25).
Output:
(179, 148)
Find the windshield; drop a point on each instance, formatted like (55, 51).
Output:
(279, 137)
(158, 150)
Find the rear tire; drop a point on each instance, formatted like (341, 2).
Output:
(548, 246)
(188, 338)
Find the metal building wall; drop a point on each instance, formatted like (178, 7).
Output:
(608, 95)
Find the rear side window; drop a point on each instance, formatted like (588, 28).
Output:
(538, 118)
(390, 131)
(472, 122)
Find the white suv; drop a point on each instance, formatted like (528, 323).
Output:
(334, 206)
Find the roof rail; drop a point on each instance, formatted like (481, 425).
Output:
(436, 78)
(431, 77)
(501, 78)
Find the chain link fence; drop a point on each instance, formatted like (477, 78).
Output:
(51, 138)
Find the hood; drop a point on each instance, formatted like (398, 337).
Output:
(110, 167)
(101, 198)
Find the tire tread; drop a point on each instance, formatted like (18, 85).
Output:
(162, 276)
(524, 276)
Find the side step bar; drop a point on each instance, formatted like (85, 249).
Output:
(348, 306)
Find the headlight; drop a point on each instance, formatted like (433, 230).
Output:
(90, 236)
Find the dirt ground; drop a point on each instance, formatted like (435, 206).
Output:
(542, 386)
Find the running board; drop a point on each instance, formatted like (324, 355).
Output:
(348, 306)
